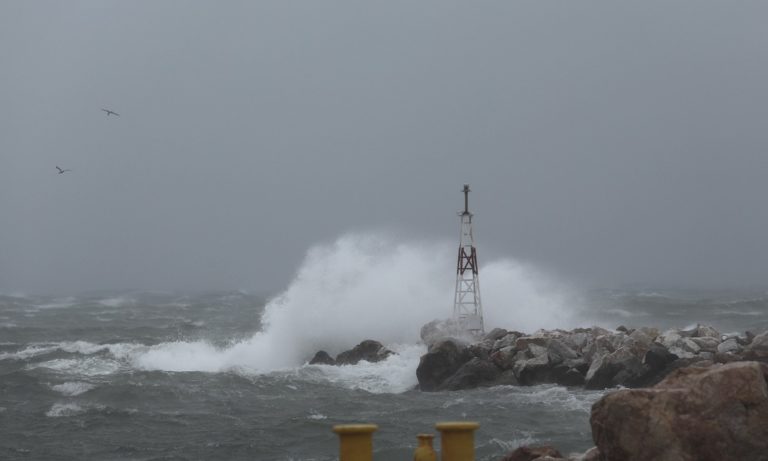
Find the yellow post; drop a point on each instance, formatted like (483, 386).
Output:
(425, 452)
(457, 440)
(355, 441)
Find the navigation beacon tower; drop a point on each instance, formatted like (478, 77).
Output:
(467, 306)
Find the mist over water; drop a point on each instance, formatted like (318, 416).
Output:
(371, 286)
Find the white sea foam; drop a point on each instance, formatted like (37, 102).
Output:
(525, 438)
(394, 375)
(73, 388)
(119, 350)
(88, 366)
(58, 303)
(28, 352)
(552, 396)
(369, 287)
(59, 410)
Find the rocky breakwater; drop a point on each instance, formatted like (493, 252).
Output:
(595, 358)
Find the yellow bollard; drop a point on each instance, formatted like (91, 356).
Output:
(457, 440)
(425, 452)
(355, 441)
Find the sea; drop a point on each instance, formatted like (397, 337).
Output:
(224, 375)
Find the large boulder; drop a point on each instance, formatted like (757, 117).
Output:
(716, 413)
(620, 367)
(758, 348)
(730, 345)
(475, 373)
(440, 363)
(368, 350)
(322, 358)
(532, 366)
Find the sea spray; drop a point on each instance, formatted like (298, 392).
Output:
(368, 286)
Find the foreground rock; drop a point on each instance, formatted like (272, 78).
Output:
(595, 358)
(368, 350)
(715, 413)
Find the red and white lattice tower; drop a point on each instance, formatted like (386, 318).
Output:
(467, 306)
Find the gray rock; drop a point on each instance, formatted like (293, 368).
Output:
(322, 358)
(368, 350)
(534, 370)
(441, 362)
(558, 352)
(658, 357)
(508, 340)
(598, 347)
(472, 374)
(505, 357)
(650, 332)
(669, 338)
(704, 331)
(571, 377)
(707, 343)
(506, 378)
(576, 340)
(730, 345)
(642, 339)
(689, 332)
(496, 334)
(758, 348)
(617, 368)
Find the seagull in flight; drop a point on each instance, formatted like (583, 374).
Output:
(62, 171)
(109, 112)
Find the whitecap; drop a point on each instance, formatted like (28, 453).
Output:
(557, 397)
(525, 438)
(394, 375)
(59, 303)
(89, 366)
(59, 410)
(73, 388)
(29, 352)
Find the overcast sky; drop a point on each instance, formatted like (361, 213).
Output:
(609, 142)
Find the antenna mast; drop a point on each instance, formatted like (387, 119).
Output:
(467, 306)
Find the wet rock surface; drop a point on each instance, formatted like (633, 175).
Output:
(714, 413)
(368, 350)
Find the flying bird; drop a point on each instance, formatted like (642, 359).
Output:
(109, 112)
(62, 171)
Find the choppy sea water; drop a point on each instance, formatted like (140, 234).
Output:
(143, 376)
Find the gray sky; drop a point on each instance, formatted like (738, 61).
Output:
(608, 142)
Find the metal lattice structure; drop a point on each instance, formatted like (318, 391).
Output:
(467, 305)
